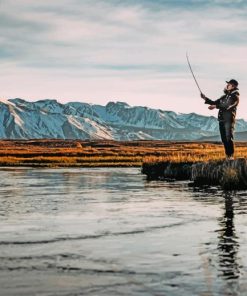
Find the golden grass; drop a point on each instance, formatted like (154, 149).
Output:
(108, 153)
(196, 153)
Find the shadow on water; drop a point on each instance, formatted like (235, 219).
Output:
(228, 245)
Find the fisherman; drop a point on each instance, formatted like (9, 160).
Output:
(227, 105)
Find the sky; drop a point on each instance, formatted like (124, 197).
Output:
(132, 51)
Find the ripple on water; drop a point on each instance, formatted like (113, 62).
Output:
(111, 232)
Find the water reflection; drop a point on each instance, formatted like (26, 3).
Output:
(110, 232)
(227, 247)
(228, 242)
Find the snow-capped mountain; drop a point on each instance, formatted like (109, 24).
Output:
(20, 119)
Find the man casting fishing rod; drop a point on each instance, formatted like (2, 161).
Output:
(227, 105)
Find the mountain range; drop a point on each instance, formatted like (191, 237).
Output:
(21, 119)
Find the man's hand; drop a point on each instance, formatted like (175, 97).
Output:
(203, 96)
(211, 107)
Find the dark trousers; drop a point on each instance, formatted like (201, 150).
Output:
(226, 133)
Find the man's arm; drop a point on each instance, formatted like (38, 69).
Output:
(228, 104)
(210, 102)
(235, 103)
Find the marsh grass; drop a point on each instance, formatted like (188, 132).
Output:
(108, 153)
(213, 152)
(230, 178)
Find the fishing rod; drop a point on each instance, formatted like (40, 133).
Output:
(192, 72)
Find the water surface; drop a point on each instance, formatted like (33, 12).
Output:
(111, 232)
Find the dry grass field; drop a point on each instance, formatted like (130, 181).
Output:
(78, 153)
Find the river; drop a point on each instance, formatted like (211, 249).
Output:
(109, 231)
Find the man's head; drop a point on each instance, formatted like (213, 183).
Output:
(231, 84)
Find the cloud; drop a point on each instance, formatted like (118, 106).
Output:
(127, 49)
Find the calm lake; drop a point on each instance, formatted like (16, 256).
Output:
(111, 232)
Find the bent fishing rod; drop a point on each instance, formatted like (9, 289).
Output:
(193, 73)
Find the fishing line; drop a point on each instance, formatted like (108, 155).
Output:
(193, 73)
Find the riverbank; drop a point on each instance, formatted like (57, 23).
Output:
(106, 153)
(229, 174)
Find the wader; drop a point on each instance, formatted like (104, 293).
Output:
(226, 133)
(227, 105)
